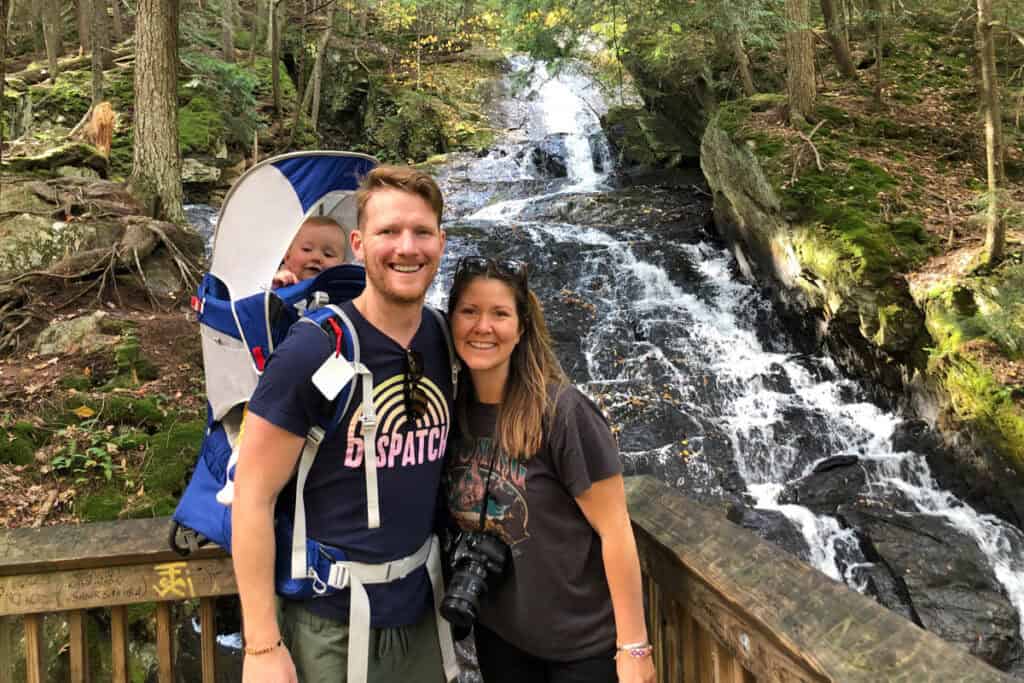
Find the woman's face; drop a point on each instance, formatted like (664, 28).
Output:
(485, 324)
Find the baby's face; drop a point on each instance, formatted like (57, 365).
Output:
(315, 248)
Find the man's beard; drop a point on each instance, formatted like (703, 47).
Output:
(379, 282)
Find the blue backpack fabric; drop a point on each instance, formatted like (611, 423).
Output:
(262, 321)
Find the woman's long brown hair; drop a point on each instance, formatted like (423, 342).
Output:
(534, 377)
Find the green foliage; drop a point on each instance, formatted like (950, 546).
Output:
(18, 442)
(219, 103)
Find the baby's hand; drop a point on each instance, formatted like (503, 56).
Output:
(283, 278)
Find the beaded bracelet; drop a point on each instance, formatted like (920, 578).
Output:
(636, 650)
(263, 650)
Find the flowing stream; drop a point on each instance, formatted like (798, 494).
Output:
(707, 390)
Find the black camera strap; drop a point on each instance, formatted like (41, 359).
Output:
(487, 487)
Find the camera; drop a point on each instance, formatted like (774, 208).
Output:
(478, 560)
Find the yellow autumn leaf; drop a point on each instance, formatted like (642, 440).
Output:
(84, 412)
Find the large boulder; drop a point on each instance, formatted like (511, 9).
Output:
(950, 586)
(549, 156)
(641, 139)
(773, 526)
(80, 335)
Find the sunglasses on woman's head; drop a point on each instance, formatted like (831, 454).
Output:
(412, 392)
(510, 269)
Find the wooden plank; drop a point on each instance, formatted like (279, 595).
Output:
(6, 649)
(34, 649)
(689, 647)
(164, 643)
(121, 585)
(208, 638)
(119, 643)
(783, 604)
(98, 544)
(729, 669)
(79, 654)
(707, 670)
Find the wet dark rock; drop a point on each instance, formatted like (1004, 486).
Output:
(548, 157)
(888, 591)
(833, 482)
(772, 526)
(951, 587)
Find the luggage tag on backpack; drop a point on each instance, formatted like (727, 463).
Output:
(333, 376)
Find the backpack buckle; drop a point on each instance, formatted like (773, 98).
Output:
(338, 577)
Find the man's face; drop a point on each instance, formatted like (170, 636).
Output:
(315, 248)
(401, 243)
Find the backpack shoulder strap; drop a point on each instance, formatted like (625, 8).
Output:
(331, 319)
(442, 321)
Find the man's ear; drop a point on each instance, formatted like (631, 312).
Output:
(355, 239)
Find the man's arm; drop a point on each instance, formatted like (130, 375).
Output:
(266, 460)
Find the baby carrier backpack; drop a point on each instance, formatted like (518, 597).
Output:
(242, 320)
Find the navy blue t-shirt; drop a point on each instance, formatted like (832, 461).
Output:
(410, 451)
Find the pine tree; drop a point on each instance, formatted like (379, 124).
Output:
(995, 228)
(800, 59)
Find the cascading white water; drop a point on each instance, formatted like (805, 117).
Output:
(707, 330)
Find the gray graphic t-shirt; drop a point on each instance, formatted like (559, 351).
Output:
(553, 599)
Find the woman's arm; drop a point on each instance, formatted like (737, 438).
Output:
(266, 461)
(604, 506)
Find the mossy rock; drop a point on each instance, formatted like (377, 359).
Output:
(113, 409)
(648, 140)
(67, 98)
(132, 367)
(78, 382)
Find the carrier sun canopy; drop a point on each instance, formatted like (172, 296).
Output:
(266, 206)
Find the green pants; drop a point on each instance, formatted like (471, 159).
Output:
(319, 648)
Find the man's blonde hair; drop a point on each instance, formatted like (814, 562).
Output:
(400, 178)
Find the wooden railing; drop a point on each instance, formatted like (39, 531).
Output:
(69, 569)
(723, 605)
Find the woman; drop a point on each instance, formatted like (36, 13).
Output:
(536, 465)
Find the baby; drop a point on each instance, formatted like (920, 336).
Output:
(319, 245)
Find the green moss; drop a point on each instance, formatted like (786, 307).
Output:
(200, 126)
(102, 505)
(69, 96)
(77, 382)
(16, 450)
(132, 367)
(980, 399)
(846, 206)
(170, 455)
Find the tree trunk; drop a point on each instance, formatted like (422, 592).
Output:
(995, 228)
(271, 13)
(84, 22)
(52, 26)
(98, 28)
(742, 64)
(100, 34)
(117, 28)
(259, 24)
(877, 23)
(836, 36)
(228, 30)
(3, 57)
(156, 164)
(318, 67)
(275, 58)
(800, 83)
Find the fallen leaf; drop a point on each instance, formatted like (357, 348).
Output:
(84, 412)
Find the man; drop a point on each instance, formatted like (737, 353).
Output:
(400, 241)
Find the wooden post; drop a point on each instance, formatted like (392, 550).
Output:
(6, 638)
(208, 638)
(119, 643)
(164, 642)
(79, 643)
(34, 648)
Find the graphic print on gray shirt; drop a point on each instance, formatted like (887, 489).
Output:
(553, 599)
